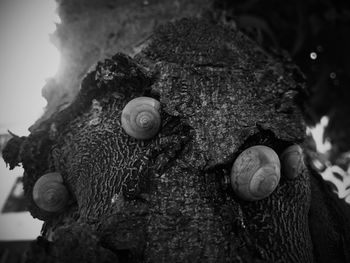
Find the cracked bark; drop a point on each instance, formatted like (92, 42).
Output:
(163, 199)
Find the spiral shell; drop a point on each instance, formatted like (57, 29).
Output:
(255, 173)
(141, 118)
(49, 193)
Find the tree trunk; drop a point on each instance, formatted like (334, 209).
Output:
(165, 199)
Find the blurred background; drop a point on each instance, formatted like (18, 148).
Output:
(27, 60)
(47, 46)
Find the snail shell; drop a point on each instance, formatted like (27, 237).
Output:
(255, 173)
(292, 161)
(141, 118)
(49, 193)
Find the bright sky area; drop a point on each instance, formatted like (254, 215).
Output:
(27, 59)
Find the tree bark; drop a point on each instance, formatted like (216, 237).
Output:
(164, 199)
(92, 30)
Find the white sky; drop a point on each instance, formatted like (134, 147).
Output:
(15, 226)
(27, 58)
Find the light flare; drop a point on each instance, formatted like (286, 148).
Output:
(323, 145)
(342, 181)
(28, 59)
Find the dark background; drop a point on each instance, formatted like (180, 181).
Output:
(316, 34)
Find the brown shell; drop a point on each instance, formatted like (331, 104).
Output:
(255, 173)
(141, 118)
(292, 161)
(49, 193)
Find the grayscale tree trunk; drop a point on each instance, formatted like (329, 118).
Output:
(166, 199)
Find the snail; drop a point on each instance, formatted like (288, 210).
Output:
(292, 161)
(255, 173)
(141, 118)
(49, 193)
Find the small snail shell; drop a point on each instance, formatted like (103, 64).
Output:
(49, 193)
(141, 118)
(292, 161)
(255, 173)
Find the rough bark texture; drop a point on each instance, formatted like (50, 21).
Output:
(163, 200)
(97, 29)
(302, 27)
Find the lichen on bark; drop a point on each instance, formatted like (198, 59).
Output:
(162, 200)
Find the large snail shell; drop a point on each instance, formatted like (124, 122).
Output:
(141, 118)
(49, 193)
(255, 173)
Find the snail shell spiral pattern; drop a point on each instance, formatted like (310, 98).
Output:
(49, 193)
(255, 173)
(140, 118)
